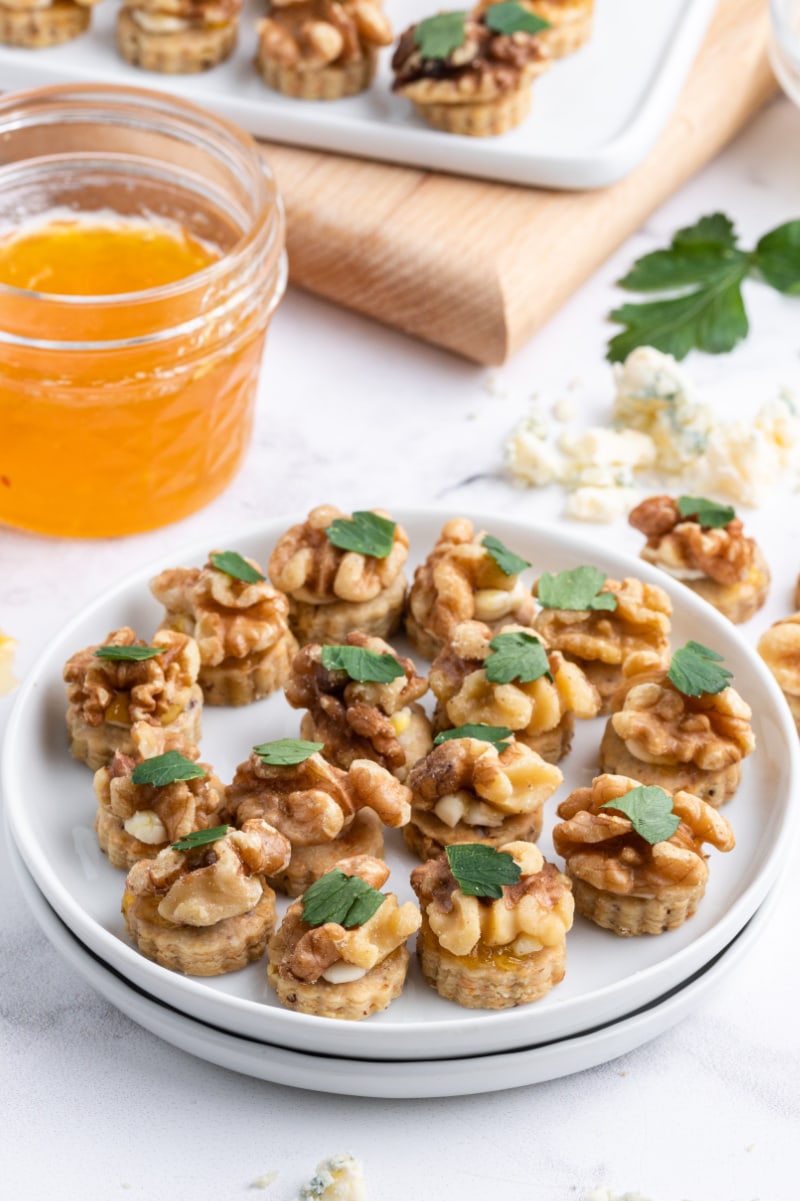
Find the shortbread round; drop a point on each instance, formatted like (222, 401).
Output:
(714, 787)
(184, 52)
(363, 837)
(349, 1002)
(95, 745)
(242, 681)
(628, 916)
(38, 28)
(330, 624)
(427, 835)
(482, 120)
(321, 83)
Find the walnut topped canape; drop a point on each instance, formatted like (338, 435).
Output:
(240, 623)
(569, 22)
(203, 906)
(702, 544)
(779, 647)
(126, 680)
(466, 576)
(177, 37)
(635, 854)
(340, 951)
(494, 924)
(341, 574)
(361, 700)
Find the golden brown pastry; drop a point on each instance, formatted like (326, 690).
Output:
(779, 647)
(376, 719)
(624, 881)
(37, 24)
(125, 680)
(702, 544)
(208, 909)
(570, 22)
(467, 576)
(240, 624)
(332, 589)
(344, 955)
(495, 950)
(177, 37)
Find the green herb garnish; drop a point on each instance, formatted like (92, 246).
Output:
(517, 656)
(367, 533)
(511, 17)
(166, 769)
(438, 36)
(482, 871)
(695, 671)
(347, 900)
(498, 736)
(649, 810)
(235, 566)
(700, 280)
(506, 560)
(200, 838)
(361, 664)
(128, 654)
(286, 752)
(711, 515)
(576, 589)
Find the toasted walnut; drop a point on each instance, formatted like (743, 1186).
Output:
(681, 546)
(779, 647)
(312, 34)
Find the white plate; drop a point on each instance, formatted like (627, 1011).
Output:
(50, 806)
(384, 1078)
(595, 115)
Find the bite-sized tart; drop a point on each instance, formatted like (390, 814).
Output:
(492, 947)
(635, 854)
(471, 74)
(703, 545)
(510, 679)
(471, 790)
(779, 647)
(239, 621)
(177, 37)
(467, 576)
(36, 24)
(682, 729)
(570, 22)
(207, 909)
(326, 813)
(341, 574)
(321, 49)
(361, 701)
(613, 629)
(125, 680)
(340, 951)
(155, 797)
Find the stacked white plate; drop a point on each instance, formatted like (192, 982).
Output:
(617, 993)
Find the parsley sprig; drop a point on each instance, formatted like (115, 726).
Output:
(710, 514)
(166, 769)
(695, 671)
(347, 900)
(699, 279)
(577, 590)
(480, 870)
(649, 810)
(498, 736)
(236, 566)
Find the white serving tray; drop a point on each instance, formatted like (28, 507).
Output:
(596, 114)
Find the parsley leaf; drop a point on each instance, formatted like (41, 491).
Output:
(510, 17)
(481, 871)
(286, 752)
(364, 532)
(166, 769)
(517, 656)
(361, 664)
(200, 838)
(438, 36)
(576, 589)
(649, 810)
(498, 736)
(777, 258)
(347, 900)
(506, 560)
(695, 671)
(236, 567)
(710, 515)
(128, 654)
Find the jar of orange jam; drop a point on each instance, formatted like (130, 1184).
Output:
(141, 258)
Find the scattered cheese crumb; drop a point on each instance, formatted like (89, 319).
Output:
(530, 458)
(565, 410)
(265, 1181)
(743, 460)
(603, 1193)
(493, 384)
(340, 1178)
(8, 648)
(655, 397)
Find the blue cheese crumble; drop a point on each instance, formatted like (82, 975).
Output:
(340, 1178)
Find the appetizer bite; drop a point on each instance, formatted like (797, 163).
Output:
(326, 813)
(511, 679)
(321, 49)
(361, 699)
(612, 629)
(203, 905)
(472, 74)
(494, 924)
(682, 729)
(477, 785)
(240, 624)
(779, 647)
(110, 687)
(568, 22)
(702, 544)
(635, 854)
(154, 797)
(177, 37)
(36, 24)
(340, 951)
(341, 574)
(467, 576)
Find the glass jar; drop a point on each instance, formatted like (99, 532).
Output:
(785, 45)
(123, 412)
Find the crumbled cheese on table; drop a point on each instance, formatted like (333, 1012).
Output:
(340, 1178)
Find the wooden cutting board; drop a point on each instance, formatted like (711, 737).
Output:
(477, 267)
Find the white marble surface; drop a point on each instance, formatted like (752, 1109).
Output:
(96, 1108)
